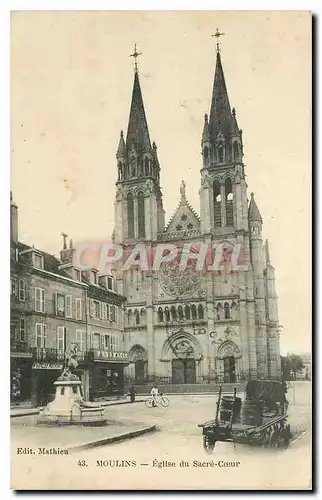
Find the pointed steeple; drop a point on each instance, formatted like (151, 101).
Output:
(121, 150)
(221, 118)
(253, 211)
(138, 132)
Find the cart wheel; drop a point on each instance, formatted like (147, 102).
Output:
(208, 445)
(280, 440)
(149, 402)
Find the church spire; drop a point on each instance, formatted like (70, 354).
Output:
(221, 119)
(138, 132)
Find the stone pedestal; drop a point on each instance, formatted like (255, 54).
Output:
(68, 407)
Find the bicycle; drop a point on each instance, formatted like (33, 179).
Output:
(159, 399)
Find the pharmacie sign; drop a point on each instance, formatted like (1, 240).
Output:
(111, 355)
(47, 366)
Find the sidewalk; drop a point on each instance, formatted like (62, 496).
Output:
(27, 433)
(24, 412)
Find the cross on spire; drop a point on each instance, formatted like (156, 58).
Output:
(218, 35)
(135, 54)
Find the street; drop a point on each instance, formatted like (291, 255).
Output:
(174, 457)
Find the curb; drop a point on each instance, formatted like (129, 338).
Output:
(25, 414)
(123, 403)
(114, 439)
(35, 411)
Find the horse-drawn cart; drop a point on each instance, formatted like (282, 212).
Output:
(261, 419)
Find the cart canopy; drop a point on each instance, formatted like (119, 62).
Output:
(271, 391)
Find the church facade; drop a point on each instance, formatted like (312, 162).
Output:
(185, 326)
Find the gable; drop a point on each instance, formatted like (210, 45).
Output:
(184, 219)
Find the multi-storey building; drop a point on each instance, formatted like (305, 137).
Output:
(187, 327)
(53, 305)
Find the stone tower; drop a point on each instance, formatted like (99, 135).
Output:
(190, 327)
(139, 213)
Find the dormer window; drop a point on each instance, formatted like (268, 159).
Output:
(110, 283)
(38, 260)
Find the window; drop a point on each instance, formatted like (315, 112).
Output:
(200, 312)
(96, 309)
(160, 315)
(94, 277)
(107, 311)
(141, 215)
(173, 313)
(22, 290)
(38, 261)
(221, 154)
(40, 335)
(227, 310)
(236, 150)
(60, 304)
(167, 314)
(22, 330)
(110, 283)
(180, 313)
(193, 312)
(115, 343)
(39, 300)
(79, 309)
(130, 216)
(229, 203)
(217, 204)
(80, 339)
(106, 341)
(137, 317)
(96, 340)
(62, 391)
(60, 341)
(69, 306)
(13, 286)
(187, 312)
(102, 310)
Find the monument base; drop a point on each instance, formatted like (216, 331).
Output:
(68, 408)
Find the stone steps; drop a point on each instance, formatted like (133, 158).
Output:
(188, 388)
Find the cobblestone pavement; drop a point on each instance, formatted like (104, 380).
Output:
(145, 462)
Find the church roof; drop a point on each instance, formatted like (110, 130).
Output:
(253, 211)
(138, 132)
(221, 118)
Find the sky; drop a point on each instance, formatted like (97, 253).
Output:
(71, 85)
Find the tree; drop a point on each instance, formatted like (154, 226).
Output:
(291, 365)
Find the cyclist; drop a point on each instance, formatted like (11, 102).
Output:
(154, 393)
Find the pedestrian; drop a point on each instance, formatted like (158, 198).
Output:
(132, 394)
(154, 393)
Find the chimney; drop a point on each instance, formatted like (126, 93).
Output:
(66, 254)
(13, 220)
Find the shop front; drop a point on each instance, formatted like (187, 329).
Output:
(106, 376)
(20, 379)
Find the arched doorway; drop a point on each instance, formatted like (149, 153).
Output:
(139, 360)
(183, 351)
(227, 362)
(229, 369)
